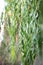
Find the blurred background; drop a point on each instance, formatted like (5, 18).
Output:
(21, 31)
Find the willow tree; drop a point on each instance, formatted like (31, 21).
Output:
(22, 26)
(39, 58)
(29, 30)
(13, 18)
